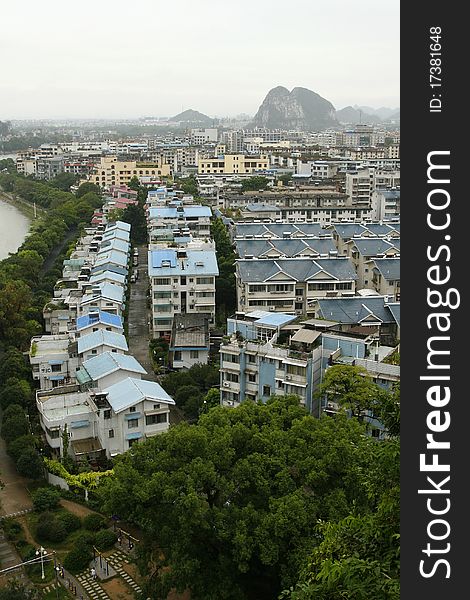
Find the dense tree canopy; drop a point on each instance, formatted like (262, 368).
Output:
(232, 505)
(225, 293)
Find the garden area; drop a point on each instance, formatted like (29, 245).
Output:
(71, 530)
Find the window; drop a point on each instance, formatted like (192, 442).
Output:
(251, 358)
(110, 433)
(155, 419)
(132, 409)
(194, 354)
(107, 413)
(56, 368)
(204, 280)
(252, 377)
(156, 406)
(266, 390)
(133, 423)
(162, 281)
(177, 355)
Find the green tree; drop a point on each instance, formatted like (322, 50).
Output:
(29, 464)
(134, 215)
(87, 187)
(14, 427)
(45, 499)
(22, 443)
(239, 494)
(351, 387)
(255, 183)
(17, 590)
(15, 391)
(134, 183)
(64, 181)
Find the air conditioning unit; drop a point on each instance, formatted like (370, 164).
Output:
(230, 403)
(288, 377)
(226, 384)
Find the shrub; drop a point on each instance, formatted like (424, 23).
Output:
(12, 529)
(94, 522)
(70, 521)
(77, 559)
(105, 539)
(16, 447)
(45, 499)
(30, 464)
(50, 529)
(86, 539)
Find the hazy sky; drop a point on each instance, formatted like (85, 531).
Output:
(110, 58)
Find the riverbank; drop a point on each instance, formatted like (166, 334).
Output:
(23, 206)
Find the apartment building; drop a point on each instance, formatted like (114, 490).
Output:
(360, 185)
(53, 360)
(182, 281)
(189, 343)
(103, 422)
(193, 219)
(385, 204)
(323, 215)
(291, 285)
(386, 276)
(98, 342)
(235, 164)
(344, 232)
(254, 367)
(362, 250)
(285, 248)
(318, 169)
(111, 172)
(199, 137)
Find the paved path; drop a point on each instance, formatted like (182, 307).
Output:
(138, 319)
(14, 497)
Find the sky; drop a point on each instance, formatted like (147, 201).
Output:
(116, 59)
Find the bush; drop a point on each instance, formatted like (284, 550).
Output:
(105, 539)
(16, 447)
(50, 529)
(77, 559)
(12, 529)
(45, 499)
(94, 522)
(70, 521)
(30, 464)
(85, 539)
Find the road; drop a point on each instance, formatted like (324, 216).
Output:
(139, 318)
(14, 496)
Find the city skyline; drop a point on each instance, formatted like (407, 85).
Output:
(106, 63)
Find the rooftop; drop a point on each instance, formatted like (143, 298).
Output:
(102, 338)
(99, 317)
(130, 391)
(99, 366)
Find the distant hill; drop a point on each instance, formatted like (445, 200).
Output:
(192, 117)
(300, 108)
(383, 112)
(353, 115)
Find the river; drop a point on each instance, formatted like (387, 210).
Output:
(14, 226)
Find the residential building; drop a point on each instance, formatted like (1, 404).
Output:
(97, 342)
(97, 321)
(291, 284)
(386, 277)
(53, 360)
(189, 344)
(236, 164)
(194, 219)
(362, 250)
(182, 281)
(385, 204)
(112, 172)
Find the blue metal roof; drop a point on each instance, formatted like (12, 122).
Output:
(103, 317)
(134, 436)
(130, 391)
(113, 256)
(276, 319)
(108, 362)
(198, 262)
(102, 338)
(108, 275)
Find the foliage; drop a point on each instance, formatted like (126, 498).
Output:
(189, 387)
(64, 181)
(254, 183)
(70, 521)
(94, 522)
(45, 499)
(351, 387)
(188, 185)
(105, 539)
(86, 188)
(88, 480)
(239, 494)
(134, 215)
(22, 443)
(225, 292)
(49, 528)
(14, 426)
(12, 528)
(30, 464)
(17, 590)
(78, 558)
